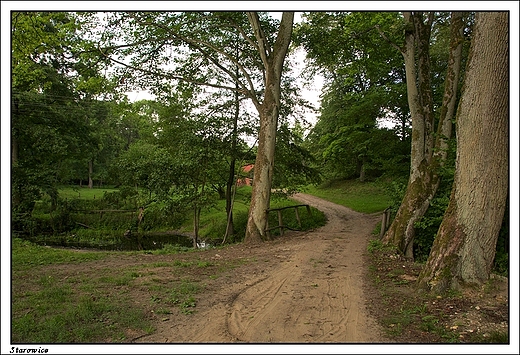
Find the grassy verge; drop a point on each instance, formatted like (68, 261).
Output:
(365, 197)
(61, 296)
(48, 309)
(26, 255)
(410, 315)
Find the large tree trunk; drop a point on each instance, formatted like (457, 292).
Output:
(428, 153)
(464, 249)
(273, 60)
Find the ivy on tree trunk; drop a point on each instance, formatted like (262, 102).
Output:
(464, 249)
(429, 147)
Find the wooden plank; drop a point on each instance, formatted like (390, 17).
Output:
(280, 222)
(309, 211)
(297, 216)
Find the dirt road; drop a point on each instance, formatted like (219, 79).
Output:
(304, 288)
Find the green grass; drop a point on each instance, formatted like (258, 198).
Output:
(84, 193)
(48, 310)
(213, 220)
(25, 255)
(365, 197)
(97, 306)
(74, 318)
(53, 311)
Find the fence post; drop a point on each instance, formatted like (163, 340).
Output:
(280, 222)
(298, 216)
(309, 211)
(384, 222)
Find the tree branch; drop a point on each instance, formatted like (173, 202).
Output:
(260, 37)
(382, 34)
(197, 44)
(169, 75)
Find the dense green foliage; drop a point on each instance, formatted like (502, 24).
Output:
(71, 124)
(178, 156)
(365, 91)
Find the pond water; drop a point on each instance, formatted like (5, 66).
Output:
(148, 241)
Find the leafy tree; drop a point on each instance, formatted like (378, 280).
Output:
(195, 46)
(49, 114)
(197, 146)
(148, 166)
(364, 84)
(295, 166)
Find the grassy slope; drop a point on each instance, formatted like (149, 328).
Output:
(70, 192)
(366, 197)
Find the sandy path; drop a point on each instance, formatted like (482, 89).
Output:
(317, 295)
(314, 294)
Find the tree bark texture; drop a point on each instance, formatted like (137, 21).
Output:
(273, 60)
(464, 249)
(428, 153)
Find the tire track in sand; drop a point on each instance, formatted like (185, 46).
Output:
(316, 295)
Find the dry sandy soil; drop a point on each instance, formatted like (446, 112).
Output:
(303, 287)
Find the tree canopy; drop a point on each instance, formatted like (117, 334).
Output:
(226, 95)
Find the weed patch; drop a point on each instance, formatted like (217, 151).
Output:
(365, 197)
(409, 315)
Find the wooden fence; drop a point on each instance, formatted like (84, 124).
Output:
(385, 222)
(280, 220)
(139, 213)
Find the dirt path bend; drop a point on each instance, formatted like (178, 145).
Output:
(313, 293)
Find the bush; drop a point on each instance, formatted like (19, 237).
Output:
(162, 214)
(396, 190)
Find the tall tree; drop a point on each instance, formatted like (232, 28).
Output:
(196, 46)
(269, 108)
(365, 83)
(49, 84)
(429, 143)
(464, 249)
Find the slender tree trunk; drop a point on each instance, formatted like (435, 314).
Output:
(90, 171)
(268, 110)
(362, 169)
(464, 249)
(196, 224)
(428, 153)
(230, 229)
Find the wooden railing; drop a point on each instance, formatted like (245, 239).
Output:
(133, 213)
(280, 225)
(385, 222)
